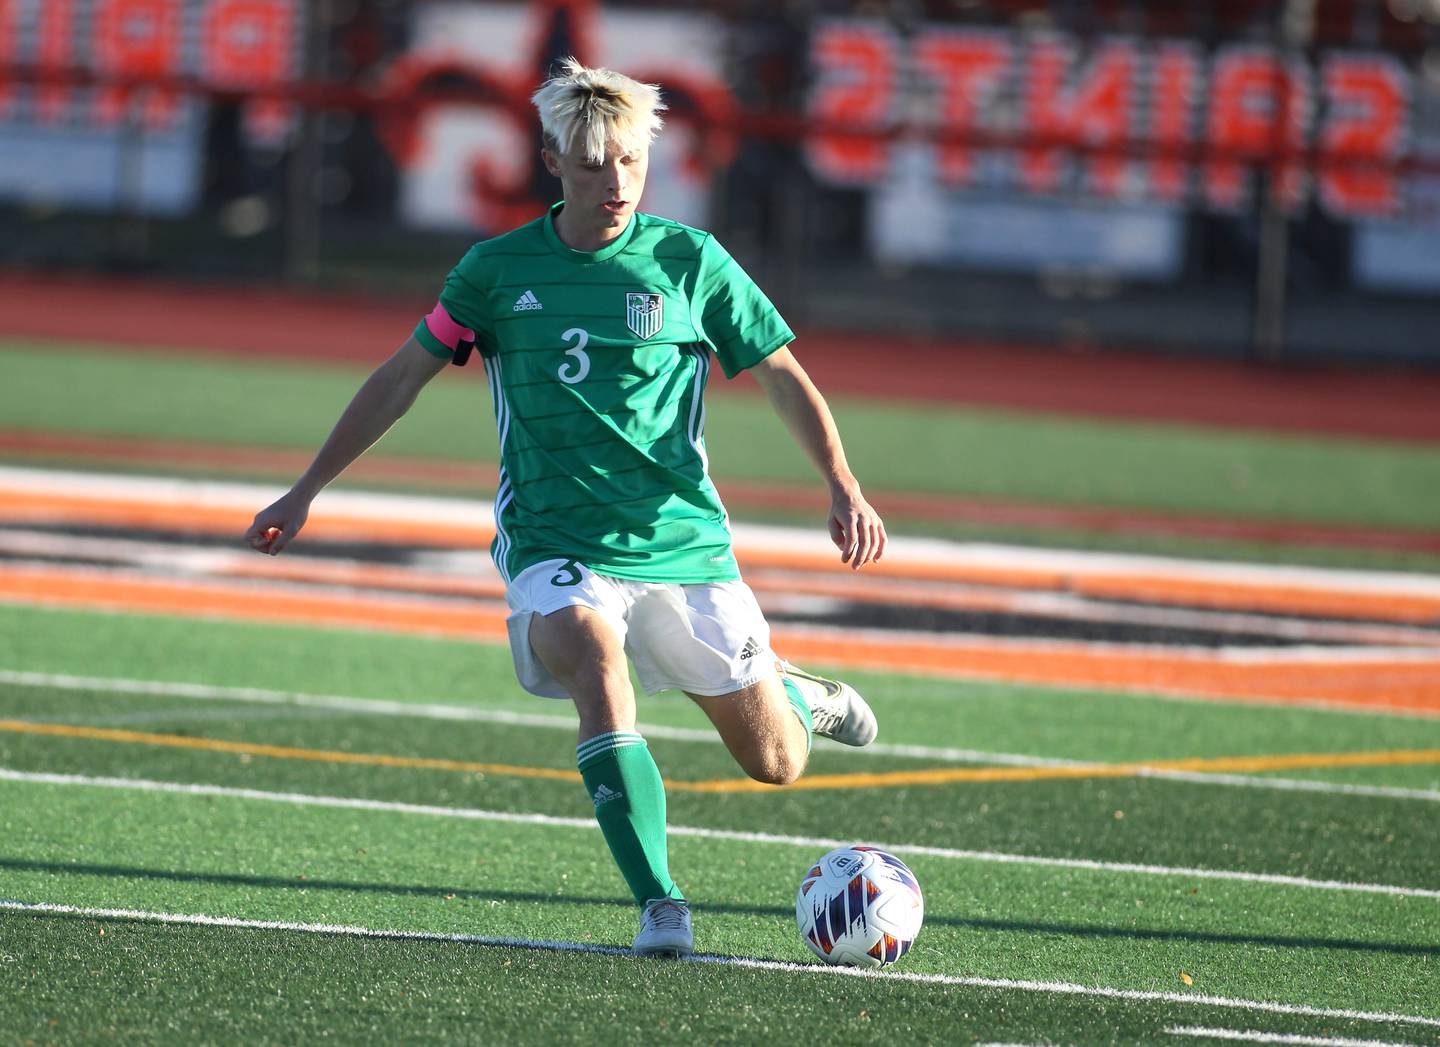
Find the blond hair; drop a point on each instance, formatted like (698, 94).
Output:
(601, 106)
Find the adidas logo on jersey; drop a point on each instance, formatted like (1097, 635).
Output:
(604, 794)
(527, 301)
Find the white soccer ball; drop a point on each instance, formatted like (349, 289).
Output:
(859, 906)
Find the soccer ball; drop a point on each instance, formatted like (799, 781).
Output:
(859, 906)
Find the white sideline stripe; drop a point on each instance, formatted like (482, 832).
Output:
(1055, 988)
(813, 842)
(243, 498)
(436, 711)
(1256, 1036)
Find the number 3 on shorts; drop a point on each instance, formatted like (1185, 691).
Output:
(569, 574)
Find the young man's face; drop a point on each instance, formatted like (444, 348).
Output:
(599, 198)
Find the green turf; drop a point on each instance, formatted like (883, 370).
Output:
(261, 860)
(983, 453)
(1254, 829)
(253, 858)
(213, 985)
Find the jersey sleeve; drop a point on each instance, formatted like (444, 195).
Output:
(461, 307)
(733, 314)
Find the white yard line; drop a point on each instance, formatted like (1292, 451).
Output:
(1048, 988)
(440, 711)
(1256, 1036)
(821, 843)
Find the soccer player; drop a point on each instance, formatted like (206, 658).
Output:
(596, 324)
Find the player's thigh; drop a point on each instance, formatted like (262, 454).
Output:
(579, 648)
(756, 711)
(567, 630)
(761, 730)
(576, 641)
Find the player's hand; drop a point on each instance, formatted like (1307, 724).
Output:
(277, 523)
(856, 529)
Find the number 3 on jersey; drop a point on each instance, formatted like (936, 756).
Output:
(581, 366)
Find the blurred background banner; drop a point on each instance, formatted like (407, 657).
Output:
(1234, 178)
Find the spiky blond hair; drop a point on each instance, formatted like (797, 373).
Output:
(600, 106)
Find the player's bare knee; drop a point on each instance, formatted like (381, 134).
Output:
(603, 697)
(774, 765)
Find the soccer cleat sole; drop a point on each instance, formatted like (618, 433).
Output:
(664, 954)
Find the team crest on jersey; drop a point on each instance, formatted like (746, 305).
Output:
(644, 313)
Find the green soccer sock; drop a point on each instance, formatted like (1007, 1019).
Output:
(801, 707)
(624, 783)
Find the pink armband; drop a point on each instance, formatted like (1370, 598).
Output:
(443, 326)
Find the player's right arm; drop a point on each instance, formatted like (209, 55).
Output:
(386, 395)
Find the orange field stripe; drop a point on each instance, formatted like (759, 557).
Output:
(470, 620)
(30, 507)
(1378, 684)
(936, 776)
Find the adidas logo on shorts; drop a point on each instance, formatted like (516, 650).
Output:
(750, 650)
(527, 301)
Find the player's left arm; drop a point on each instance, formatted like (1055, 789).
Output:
(855, 526)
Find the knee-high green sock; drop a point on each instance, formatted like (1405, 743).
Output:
(624, 783)
(801, 707)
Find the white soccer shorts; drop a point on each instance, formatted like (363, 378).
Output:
(704, 639)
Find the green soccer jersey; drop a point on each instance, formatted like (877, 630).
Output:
(597, 364)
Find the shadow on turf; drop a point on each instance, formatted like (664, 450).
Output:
(1077, 930)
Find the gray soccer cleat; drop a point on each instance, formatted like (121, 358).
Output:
(836, 709)
(665, 930)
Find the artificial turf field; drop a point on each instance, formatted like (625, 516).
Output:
(220, 830)
(1070, 910)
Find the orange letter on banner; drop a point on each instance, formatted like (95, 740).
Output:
(855, 66)
(138, 39)
(968, 68)
(9, 49)
(1176, 80)
(1368, 101)
(57, 51)
(1096, 110)
(1259, 107)
(250, 43)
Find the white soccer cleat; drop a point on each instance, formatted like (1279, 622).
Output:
(665, 930)
(836, 709)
